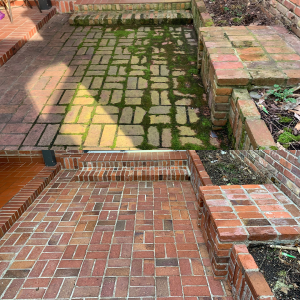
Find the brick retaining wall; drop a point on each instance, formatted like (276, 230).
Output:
(286, 11)
(244, 278)
(281, 166)
(247, 131)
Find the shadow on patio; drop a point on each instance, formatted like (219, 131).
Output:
(92, 88)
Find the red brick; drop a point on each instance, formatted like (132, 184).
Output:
(196, 291)
(232, 234)
(258, 284)
(259, 134)
(288, 232)
(261, 233)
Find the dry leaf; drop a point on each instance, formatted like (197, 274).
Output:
(297, 126)
(280, 147)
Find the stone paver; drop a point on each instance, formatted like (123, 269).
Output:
(108, 240)
(69, 85)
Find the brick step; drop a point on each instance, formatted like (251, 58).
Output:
(133, 159)
(132, 18)
(136, 5)
(132, 174)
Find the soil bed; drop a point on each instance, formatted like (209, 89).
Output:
(282, 273)
(237, 12)
(282, 116)
(224, 169)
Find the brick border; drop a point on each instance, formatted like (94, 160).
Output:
(21, 156)
(4, 57)
(244, 277)
(13, 209)
(246, 128)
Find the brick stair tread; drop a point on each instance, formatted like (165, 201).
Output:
(134, 156)
(143, 2)
(133, 174)
(132, 17)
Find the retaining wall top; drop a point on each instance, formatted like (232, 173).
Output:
(258, 55)
(251, 213)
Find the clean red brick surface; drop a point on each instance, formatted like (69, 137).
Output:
(127, 240)
(244, 214)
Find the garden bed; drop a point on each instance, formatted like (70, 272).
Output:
(237, 12)
(224, 169)
(280, 110)
(281, 272)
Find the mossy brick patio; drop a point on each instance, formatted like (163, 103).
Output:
(104, 88)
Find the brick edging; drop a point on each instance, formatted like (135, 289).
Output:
(13, 210)
(249, 131)
(4, 57)
(244, 277)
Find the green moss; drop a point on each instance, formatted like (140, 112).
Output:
(286, 138)
(208, 23)
(122, 33)
(285, 120)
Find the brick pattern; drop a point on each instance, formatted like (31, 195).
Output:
(21, 156)
(133, 156)
(108, 240)
(281, 167)
(244, 278)
(247, 130)
(244, 214)
(143, 17)
(124, 5)
(132, 174)
(12, 38)
(13, 210)
(227, 62)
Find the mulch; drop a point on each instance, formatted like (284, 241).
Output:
(281, 273)
(224, 169)
(236, 13)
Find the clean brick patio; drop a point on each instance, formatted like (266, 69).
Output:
(125, 240)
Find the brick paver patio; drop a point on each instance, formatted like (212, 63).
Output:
(105, 88)
(125, 240)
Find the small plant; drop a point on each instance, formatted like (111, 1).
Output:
(226, 8)
(282, 95)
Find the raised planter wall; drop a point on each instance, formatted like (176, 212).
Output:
(246, 129)
(244, 278)
(281, 167)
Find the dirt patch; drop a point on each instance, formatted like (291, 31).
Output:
(281, 272)
(237, 12)
(224, 169)
(280, 109)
